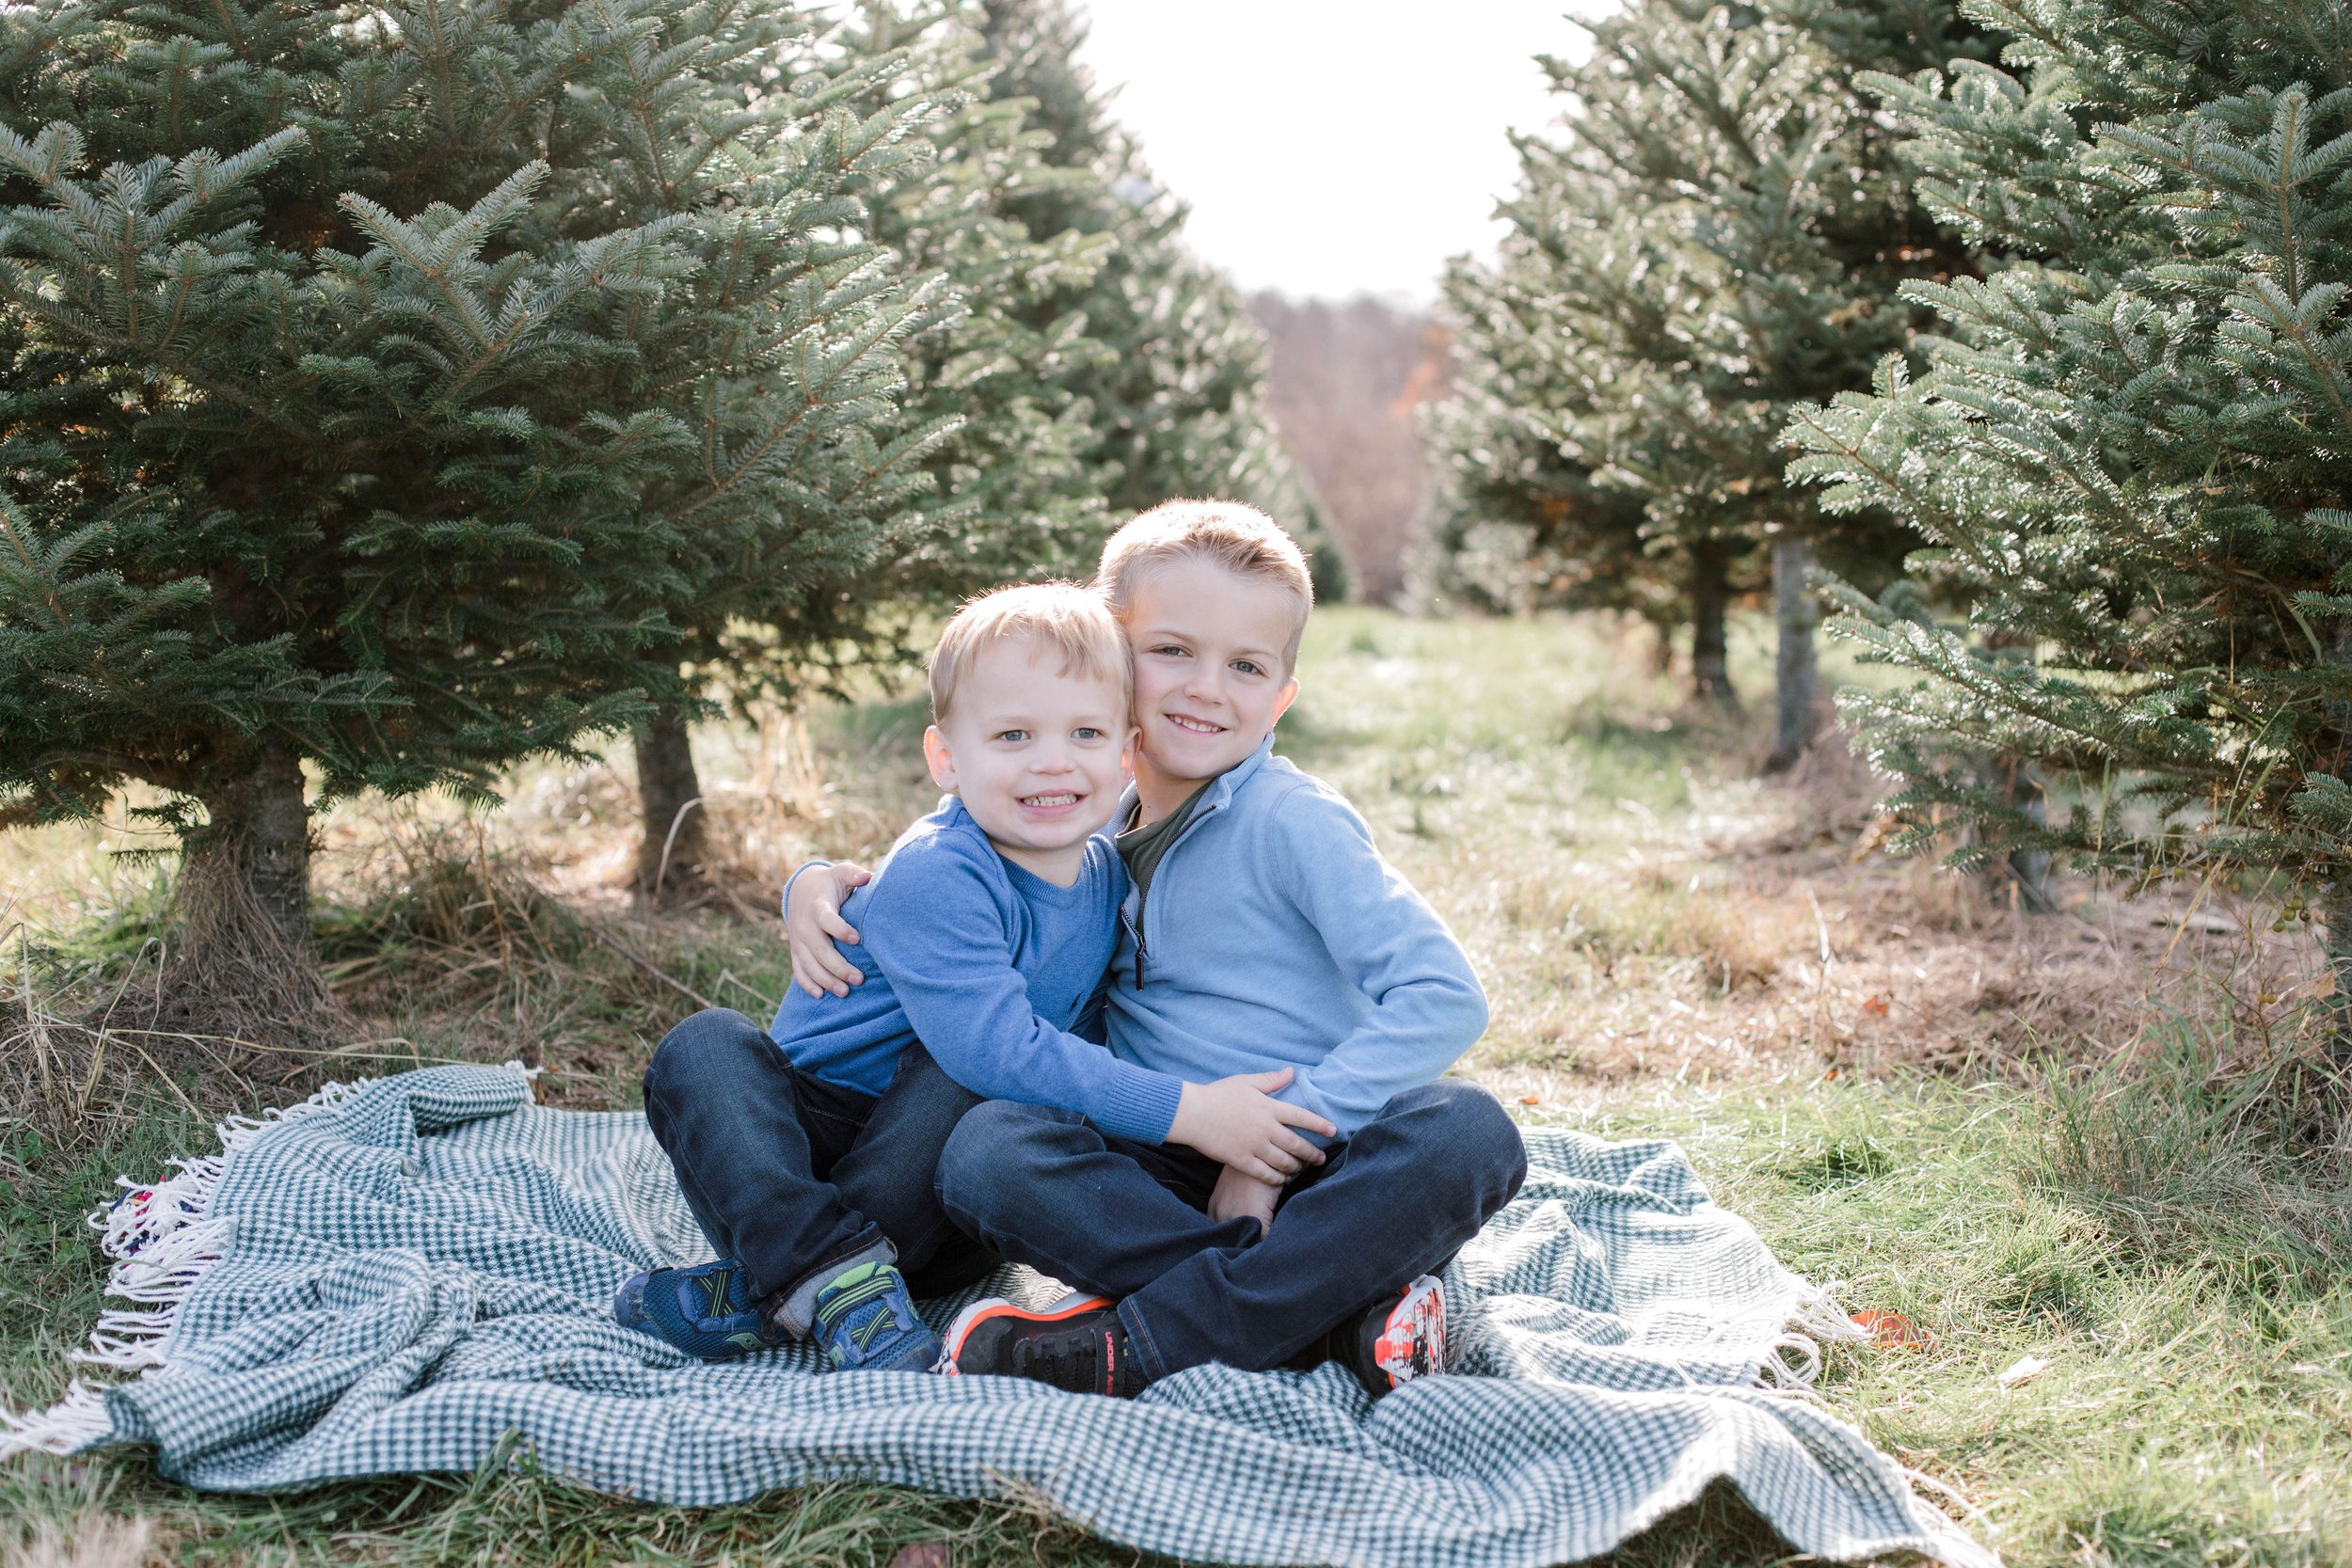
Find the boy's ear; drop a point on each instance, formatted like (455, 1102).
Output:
(935, 753)
(1290, 694)
(1127, 753)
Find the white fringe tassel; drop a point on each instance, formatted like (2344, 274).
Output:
(77, 1421)
(161, 1245)
(1792, 1362)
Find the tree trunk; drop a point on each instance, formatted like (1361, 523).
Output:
(1710, 598)
(2335, 901)
(237, 958)
(1796, 671)
(2028, 870)
(258, 845)
(670, 855)
(2335, 909)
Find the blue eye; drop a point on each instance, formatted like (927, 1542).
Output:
(1088, 732)
(1248, 667)
(1014, 736)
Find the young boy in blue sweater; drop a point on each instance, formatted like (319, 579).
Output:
(807, 1152)
(1264, 931)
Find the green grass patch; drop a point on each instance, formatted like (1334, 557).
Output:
(2195, 1408)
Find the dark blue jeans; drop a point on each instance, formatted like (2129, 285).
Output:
(800, 1178)
(1116, 1218)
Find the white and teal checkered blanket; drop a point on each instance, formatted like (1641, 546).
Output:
(395, 1275)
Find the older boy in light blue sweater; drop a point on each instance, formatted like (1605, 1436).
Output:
(1263, 933)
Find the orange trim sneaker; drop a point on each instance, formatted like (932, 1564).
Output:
(1076, 1344)
(1396, 1343)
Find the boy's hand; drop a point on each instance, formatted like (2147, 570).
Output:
(811, 919)
(1236, 1121)
(1236, 1194)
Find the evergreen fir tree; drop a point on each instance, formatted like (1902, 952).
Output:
(1520, 526)
(1716, 234)
(2128, 447)
(378, 385)
(784, 570)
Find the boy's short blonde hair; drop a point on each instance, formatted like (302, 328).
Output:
(1242, 539)
(1057, 617)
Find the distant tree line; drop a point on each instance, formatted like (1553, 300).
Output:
(390, 392)
(1348, 385)
(2048, 304)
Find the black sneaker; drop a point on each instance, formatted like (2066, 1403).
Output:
(1395, 1342)
(1076, 1344)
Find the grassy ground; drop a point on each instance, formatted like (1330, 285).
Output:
(2075, 1143)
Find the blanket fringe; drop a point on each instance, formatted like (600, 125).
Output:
(1792, 1362)
(161, 1243)
(77, 1421)
(1955, 1544)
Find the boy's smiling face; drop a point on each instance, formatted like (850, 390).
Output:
(1211, 670)
(1036, 753)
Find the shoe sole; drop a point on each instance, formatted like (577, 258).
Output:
(951, 1343)
(1412, 1341)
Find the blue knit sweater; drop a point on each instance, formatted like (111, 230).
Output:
(989, 966)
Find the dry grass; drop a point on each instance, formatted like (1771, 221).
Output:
(92, 1541)
(444, 935)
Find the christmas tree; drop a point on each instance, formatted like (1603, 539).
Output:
(379, 380)
(1716, 234)
(2127, 450)
(1519, 524)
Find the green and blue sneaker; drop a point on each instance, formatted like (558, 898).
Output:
(865, 1322)
(706, 1311)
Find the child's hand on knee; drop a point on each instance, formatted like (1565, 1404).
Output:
(812, 920)
(1236, 1194)
(1236, 1121)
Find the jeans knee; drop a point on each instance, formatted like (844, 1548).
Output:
(704, 1052)
(1476, 1134)
(991, 1138)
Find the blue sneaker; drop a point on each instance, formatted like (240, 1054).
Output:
(705, 1312)
(865, 1322)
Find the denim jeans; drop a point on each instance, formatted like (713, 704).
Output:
(1396, 1200)
(799, 1179)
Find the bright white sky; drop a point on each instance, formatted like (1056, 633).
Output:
(1333, 147)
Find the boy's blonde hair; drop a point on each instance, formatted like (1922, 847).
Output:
(1057, 617)
(1241, 539)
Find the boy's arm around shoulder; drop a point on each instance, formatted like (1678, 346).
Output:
(1427, 1006)
(935, 928)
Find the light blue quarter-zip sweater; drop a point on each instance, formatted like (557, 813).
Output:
(1274, 934)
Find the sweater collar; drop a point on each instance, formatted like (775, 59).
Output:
(1221, 789)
